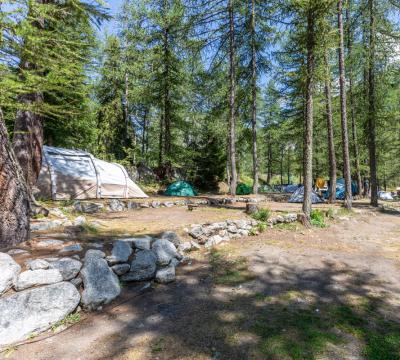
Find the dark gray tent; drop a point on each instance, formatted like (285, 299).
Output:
(298, 196)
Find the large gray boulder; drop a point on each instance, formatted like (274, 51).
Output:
(101, 285)
(165, 251)
(68, 267)
(120, 252)
(142, 243)
(35, 310)
(32, 278)
(9, 271)
(172, 237)
(165, 275)
(143, 267)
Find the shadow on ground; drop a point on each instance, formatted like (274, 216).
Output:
(221, 310)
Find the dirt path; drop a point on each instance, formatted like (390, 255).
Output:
(329, 293)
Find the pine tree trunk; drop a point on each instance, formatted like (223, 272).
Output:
(329, 123)
(14, 197)
(356, 152)
(232, 102)
(254, 97)
(372, 106)
(309, 118)
(28, 139)
(343, 111)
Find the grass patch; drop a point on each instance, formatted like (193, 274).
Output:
(90, 229)
(67, 321)
(289, 331)
(229, 271)
(318, 219)
(287, 226)
(262, 215)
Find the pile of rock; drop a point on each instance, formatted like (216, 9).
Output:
(215, 233)
(116, 205)
(49, 289)
(279, 219)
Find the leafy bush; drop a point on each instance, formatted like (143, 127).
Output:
(261, 215)
(318, 219)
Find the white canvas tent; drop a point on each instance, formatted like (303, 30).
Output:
(76, 174)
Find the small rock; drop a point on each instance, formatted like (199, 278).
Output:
(121, 269)
(131, 205)
(71, 248)
(8, 273)
(45, 224)
(232, 229)
(144, 205)
(91, 207)
(95, 253)
(77, 282)
(68, 268)
(143, 267)
(141, 243)
(116, 205)
(165, 251)
(168, 204)
(165, 275)
(155, 204)
(50, 242)
(251, 208)
(32, 278)
(17, 252)
(120, 253)
(196, 231)
(57, 212)
(213, 240)
(37, 264)
(172, 237)
(79, 221)
(96, 245)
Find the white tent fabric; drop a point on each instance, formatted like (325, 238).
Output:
(76, 174)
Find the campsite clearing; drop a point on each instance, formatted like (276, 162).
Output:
(290, 292)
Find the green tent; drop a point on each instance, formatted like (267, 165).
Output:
(180, 188)
(243, 189)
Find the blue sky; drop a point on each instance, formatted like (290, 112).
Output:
(114, 6)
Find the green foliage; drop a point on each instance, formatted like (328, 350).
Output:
(262, 215)
(69, 320)
(318, 219)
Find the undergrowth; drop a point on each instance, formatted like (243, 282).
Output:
(262, 215)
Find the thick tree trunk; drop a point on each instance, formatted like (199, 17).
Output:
(343, 111)
(329, 123)
(254, 97)
(28, 139)
(372, 106)
(232, 102)
(309, 118)
(14, 197)
(356, 152)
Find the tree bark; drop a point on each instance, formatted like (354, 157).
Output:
(309, 118)
(343, 111)
(14, 196)
(372, 106)
(329, 123)
(232, 102)
(254, 96)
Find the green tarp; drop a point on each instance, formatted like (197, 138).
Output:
(180, 188)
(243, 189)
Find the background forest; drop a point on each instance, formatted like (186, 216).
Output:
(184, 85)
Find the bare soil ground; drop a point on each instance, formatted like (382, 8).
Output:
(289, 293)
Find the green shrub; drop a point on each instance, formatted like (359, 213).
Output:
(261, 215)
(318, 218)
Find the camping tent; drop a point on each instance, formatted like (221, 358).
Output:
(341, 189)
(243, 189)
(76, 174)
(298, 196)
(180, 188)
